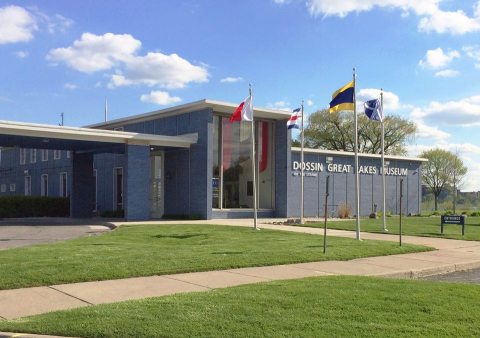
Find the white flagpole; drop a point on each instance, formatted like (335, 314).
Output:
(253, 167)
(301, 171)
(384, 219)
(357, 181)
(106, 110)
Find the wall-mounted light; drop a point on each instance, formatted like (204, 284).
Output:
(387, 162)
(26, 172)
(329, 159)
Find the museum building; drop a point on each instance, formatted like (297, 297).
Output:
(191, 161)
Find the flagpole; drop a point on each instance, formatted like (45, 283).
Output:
(301, 171)
(253, 166)
(106, 110)
(384, 218)
(357, 181)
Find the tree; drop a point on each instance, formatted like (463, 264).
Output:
(335, 131)
(443, 169)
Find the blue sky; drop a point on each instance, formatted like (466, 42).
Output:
(68, 56)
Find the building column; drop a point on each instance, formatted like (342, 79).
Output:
(137, 183)
(82, 198)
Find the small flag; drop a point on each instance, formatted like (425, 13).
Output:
(342, 99)
(244, 111)
(373, 109)
(293, 120)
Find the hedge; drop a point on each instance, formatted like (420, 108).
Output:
(34, 206)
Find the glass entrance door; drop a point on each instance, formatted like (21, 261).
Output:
(156, 182)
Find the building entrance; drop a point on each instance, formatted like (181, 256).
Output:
(157, 185)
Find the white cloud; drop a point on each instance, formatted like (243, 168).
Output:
(16, 25)
(474, 53)
(157, 69)
(231, 79)
(447, 73)
(21, 54)
(160, 97)
(70, 86)
(52, 24)
(464, 112)
(436, 58)
(390, 99)
(96, 52)
(118, 52)
(309, 103)
(432, 18)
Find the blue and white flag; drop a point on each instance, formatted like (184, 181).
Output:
(293, 120)
(373, 109)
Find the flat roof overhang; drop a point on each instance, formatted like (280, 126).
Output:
(42, 136)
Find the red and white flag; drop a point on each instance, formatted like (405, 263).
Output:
(244, 111)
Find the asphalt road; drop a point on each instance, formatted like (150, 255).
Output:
(469, 276)
(24, 232)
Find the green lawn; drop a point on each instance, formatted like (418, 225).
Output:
(145, 250)
(417, 226)
(311, 307)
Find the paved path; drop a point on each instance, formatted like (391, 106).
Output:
(23, 232)
(452, 255)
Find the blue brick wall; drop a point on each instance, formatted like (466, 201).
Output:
(342, 187)
(188, 174)
(137, 182)
(12, 172)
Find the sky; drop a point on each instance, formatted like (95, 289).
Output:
(145, 55)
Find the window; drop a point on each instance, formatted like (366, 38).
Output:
(28, 185)
(44, 185)
(33, 155)
(68, 153)
(96, 190)
(118, 188)
(44, 155)
(232, 184)
(63, 185)
(23, 155)
(57, 154)
(3, 188)
(12, 187)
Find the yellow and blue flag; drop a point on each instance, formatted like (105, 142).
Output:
(342, 99)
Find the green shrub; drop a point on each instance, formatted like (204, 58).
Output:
(435, 213)
(113, 213)
(475, 214)
(182, 216)
(34, 206)
(448, 212)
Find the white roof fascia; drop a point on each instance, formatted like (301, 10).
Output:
(348, 153)
(217, 106)
(94, 135)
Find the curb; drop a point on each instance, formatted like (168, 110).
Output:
(439, 270)
(26, 335)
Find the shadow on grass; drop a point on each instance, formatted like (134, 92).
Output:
(180, 236)
(228, 253)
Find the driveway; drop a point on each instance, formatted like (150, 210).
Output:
(29, 231)
(469, 276)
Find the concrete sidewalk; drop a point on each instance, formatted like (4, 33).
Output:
(452, 255)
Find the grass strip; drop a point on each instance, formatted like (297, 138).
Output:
(415, 226)
(146, 250)
(311, 307)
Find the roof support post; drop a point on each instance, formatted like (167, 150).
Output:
(137, 183)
